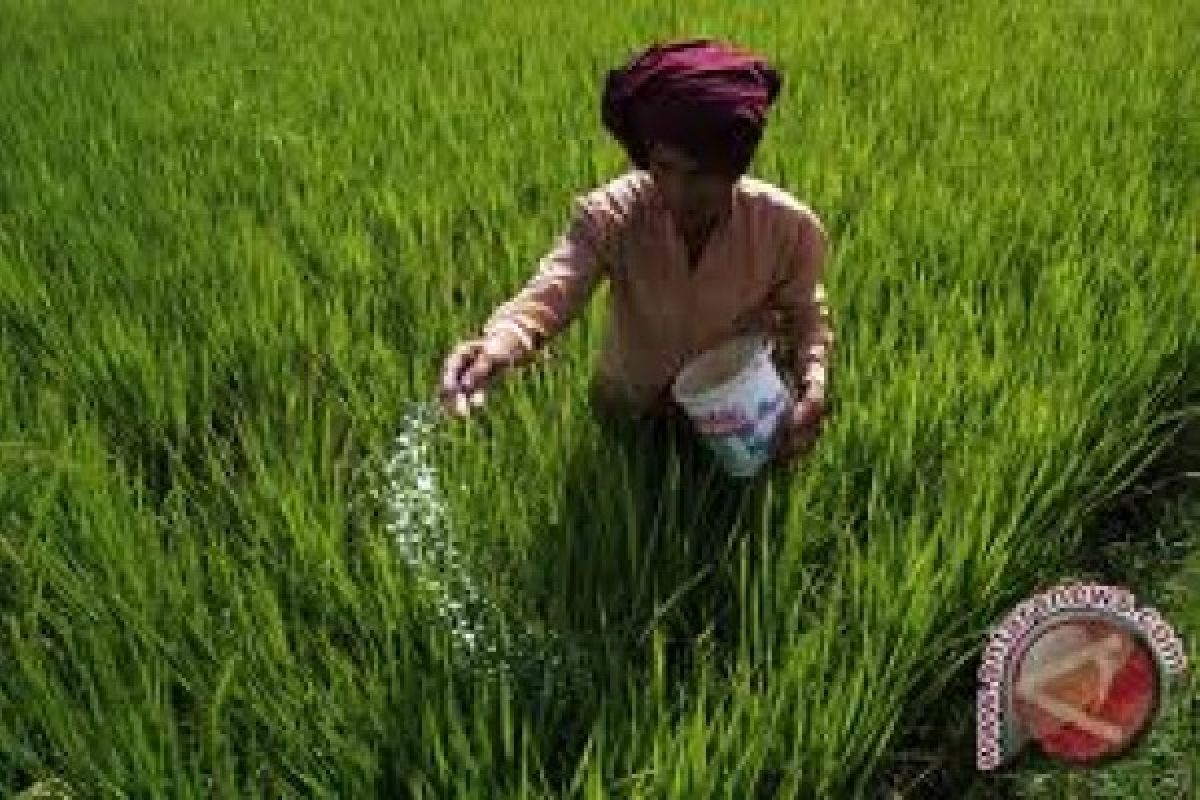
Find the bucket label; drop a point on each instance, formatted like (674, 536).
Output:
(766, 407)
(735, 421)
(743, 443)
(724, 422)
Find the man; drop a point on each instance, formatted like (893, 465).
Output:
(695, 250)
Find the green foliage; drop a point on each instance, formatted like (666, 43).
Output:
(236, 241)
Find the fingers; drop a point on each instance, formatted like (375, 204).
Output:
(477, 372)
(460, 390)
(456, 364)
(793, 440)
(469, 368)
(457, 404)
(809, 412)
(799, 430)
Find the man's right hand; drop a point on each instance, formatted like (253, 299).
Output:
(469, 369)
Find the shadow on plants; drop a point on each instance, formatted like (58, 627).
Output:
(643, 542)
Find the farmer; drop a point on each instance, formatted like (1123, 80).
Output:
(694, 250)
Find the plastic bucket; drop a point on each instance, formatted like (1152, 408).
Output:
(735, 398)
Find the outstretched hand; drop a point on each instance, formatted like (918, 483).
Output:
(469, 370)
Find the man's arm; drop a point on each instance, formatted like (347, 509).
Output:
(564, 281)
(801, 312)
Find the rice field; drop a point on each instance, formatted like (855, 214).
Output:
(242, 555)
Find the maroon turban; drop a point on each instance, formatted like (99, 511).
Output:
(704, 97)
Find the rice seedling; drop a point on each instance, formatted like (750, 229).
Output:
(241, 553)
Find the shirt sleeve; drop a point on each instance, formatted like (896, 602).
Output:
(564, 280)
(798, 306)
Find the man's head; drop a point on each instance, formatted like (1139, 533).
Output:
(691, 194)
(701, 98)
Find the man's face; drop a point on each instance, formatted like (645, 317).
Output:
(693, 198)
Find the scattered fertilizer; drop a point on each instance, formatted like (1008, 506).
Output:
(416, 514)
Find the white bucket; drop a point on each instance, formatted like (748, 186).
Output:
(735, 397)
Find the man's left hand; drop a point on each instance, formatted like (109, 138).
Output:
(799, 429)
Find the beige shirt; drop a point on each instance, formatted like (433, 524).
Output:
(758, 271)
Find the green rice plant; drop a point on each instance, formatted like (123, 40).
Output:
(236, 242)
